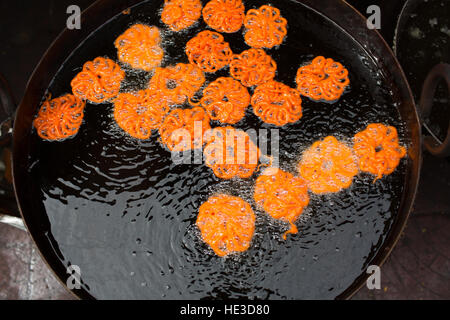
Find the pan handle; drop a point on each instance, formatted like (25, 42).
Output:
(9, 212)
(432, 143)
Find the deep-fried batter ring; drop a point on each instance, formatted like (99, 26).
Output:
(177, 83)
(224, 15)
(230, 152)
(59, 118)
(98, 81)
(139, 46)
(138, 113)
(183, 129)
(378, 150)
(227, 224)
(265, 27)
(322, 79)
(225, 100)
(277, 103)
(209, 51)
(328, 166)
(282, 196)
(253, 67)
(181, 14)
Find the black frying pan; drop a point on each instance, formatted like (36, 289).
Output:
(125, 214)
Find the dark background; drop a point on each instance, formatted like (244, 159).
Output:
(418, 267)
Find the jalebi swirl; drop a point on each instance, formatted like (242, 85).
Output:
(225, 100)
(277, 103)
(98, 81)
(253, 67)
(282, 196)
(227, 224)
(224, 15)
(181, 14)
(209, 51)
(184, 129)
(137, 113)
(378, 149)
(139, 46)
(59, 118)
(177, 83)
(230, 153)
(328, 166)
(265, 27)
(322, 79)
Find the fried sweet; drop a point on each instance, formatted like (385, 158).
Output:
(224, 15)
(181, 14)
(183, 129)
(59, 118)
(253, 67)
(177, 83)
(378, 149)
(98, 81)
(227, 224)
(140, 47)
(282, 195)
(137, 113)
(230, 153)
(225, 100)
(322, 79)
(209, 51)
(265, 27)
(328, 166)
(277, 103)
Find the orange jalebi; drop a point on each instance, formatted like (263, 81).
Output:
(98, 81)
(138, 113)
(224, 15)
(328, 166)
(59, 118)
(181, 14)
(230, 152)
(225, 100)
(139, 46)
(227, 224)
(253, 67)
(322, 79)
(277, 103)
(282, 196)
(209, 51)
(265, 27)
(177, 83)
(183, 129)
(378, 150)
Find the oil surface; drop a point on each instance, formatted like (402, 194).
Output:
(123, 212)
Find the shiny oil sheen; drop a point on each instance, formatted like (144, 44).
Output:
(123, 212)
